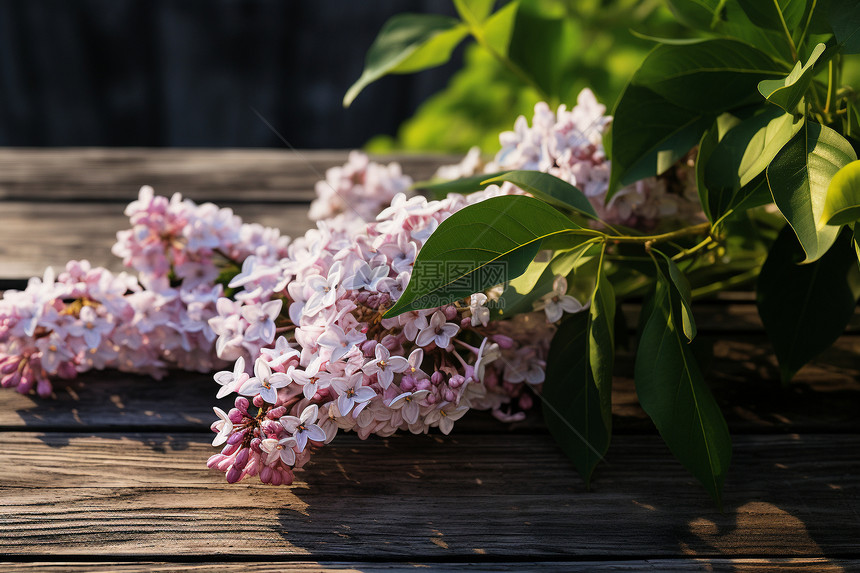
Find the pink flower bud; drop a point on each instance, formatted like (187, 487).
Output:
(241, 459)
(242, 404)
(276, 478)
(456, 381)
(258, 401)
(255, 445)
(266, 474)
(214, 460)
(233, 474)
(224, 464)
(235, 415)
(503, 341)
(466, 323)
(43, 387)
(236, 437)
(437, 378)
(26, 384)
(423, 384)
(10, 380)
(286, 477)
(9, 365)
(361, 297)
(430, 399)
(450, 312)
(67, 371)
(449, 395)
(230, 449)
(368, 348)
(276, 413)
(407, 384)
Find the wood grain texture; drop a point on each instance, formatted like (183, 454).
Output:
(226, 176)
(427, 496)
(742, 374)
(718, 565)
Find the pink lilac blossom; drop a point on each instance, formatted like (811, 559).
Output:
(91, 318)
(341, 366)
(569, 145)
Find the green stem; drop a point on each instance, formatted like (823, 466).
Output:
(785, 29)
(693, 250)
(663, 237)
(737, 280)
(806, 26)
(831, 79)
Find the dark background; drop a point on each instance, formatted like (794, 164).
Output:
(186, 73)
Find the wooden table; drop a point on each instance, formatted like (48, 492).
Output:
(110, 474)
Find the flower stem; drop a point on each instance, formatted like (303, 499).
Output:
(663, 237)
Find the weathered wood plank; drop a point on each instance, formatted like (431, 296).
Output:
(821, 564)
(418, 496)
(34, 235)
(226, 176)
(742, 374)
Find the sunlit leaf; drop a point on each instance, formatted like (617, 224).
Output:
(548, 188)
(480, 246)
(799, 177)
(401, 38)
(475, 11)
(499, 28)
(463, 185)
(804, 308)
(843, 196)
(788, 93)
(743, 154)
(577, 393)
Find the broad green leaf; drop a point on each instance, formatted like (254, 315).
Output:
(673, 393)
(844, 18)
(464, 185)
(737, 25)
(707, 144)
(474, 11)
(798, 178)
(775, 14)
(402, 37)
(669, 41)
(681, 295)
(499, 28)
(548, 188)
(540, 44)
(480, 246)
(711, 77)
(577, 393)
(649, 135)
(804, 308)
(521, 293)
(788, 93)
(435, 52)
(701, 14)
(743, 154)
(842, 205)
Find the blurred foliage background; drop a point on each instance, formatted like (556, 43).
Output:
(591, 43)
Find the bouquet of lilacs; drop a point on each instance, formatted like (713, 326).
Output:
(304, 322)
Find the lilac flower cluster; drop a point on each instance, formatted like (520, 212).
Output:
(569, 145)
(314, 354)
(90, 318)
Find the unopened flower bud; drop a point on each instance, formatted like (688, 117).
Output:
(235, 415)
(241, 459)
(450, 312)
(10, 380)
(9, 365)
(214, 460)
(276, 413)
(466, 323)
(368, 348)
(286, 477)
(266, 474)
(66, 371)
(430, 399)
(242, 404)
(236, 437)
(255, 445)
(437, 378)
(233, 474)
(258, 401)
(43, 387)
(423, 384)
(407, 384)
(456, 381)
(449, 395)
(503, 341)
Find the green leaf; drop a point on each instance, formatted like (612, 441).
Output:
(463, 185)
(737, 25)
(499, 28)
(842, 204)
(788, 93)
(673, 393)
(844, 18)
(798, 178)
(707, 144)
(851, 122)
(681, 295)
(775, 14)
(743, 154)
(548, 188)
(539, 45)
(804, 308)
(480, 246)
(649, 135)
(474, 11)
(577, 393)
(701, 14)
(521, 293)
(403, 37)
(712, 76)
